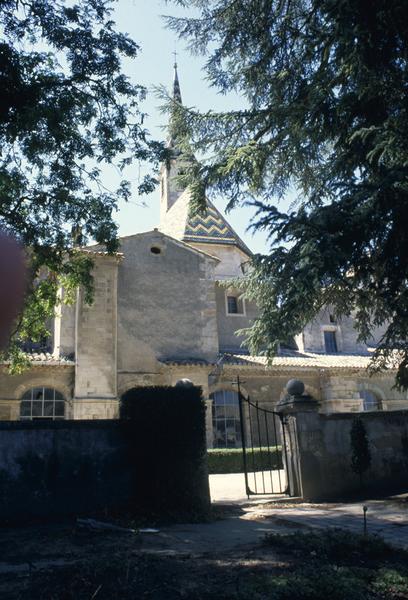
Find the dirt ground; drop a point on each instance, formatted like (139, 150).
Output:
(65, 561)
(227, 558)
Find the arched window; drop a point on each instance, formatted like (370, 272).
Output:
(370, 400)
(42, 403)
(225, 417)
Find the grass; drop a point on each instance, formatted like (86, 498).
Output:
(339, 565)
(332, 565)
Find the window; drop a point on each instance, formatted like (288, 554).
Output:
(370, 400)
(232, 305)
(226, 422)
(43, 345)
(330, 343)
(235, 304)
(42, 403)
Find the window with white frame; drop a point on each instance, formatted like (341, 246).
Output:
(42, 403)
(234, 304)
(225, 419)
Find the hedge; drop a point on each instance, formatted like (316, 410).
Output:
(230, 460)
(166, 428)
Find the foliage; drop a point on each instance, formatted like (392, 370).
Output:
(230, 460)
(66, 111)
(360, 451)
(336, 564)
(331, 545)
(324, 116)
(166, 426)
(111, 569)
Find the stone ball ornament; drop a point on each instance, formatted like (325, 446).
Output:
(184, 383)
(295, 387)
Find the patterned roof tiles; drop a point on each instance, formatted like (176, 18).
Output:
(212, 228)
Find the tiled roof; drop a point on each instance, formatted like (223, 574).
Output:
(212, 228)
(288, 359)
(101, 252)
(186, 362)
(301, 360)
(46, 358)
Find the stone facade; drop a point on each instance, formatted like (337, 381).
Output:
(163, 311)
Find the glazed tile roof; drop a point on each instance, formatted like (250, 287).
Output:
(212, 228)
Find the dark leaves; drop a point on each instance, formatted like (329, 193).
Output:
(324, 86)
(65, 110)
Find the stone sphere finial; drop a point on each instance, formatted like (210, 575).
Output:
(186, 383)
(295, 387)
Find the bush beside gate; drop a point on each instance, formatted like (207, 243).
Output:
(230, 460)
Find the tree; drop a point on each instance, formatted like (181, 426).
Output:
(324, 85)
(66, 109)
(360, 449)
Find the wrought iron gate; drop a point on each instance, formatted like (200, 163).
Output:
(265, 444)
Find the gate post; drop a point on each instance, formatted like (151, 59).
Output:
(289, 409)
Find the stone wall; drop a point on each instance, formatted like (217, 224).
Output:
(324, 452)
(228, 324)
(231, 259)
(312, 338)
(166, 303)
(341, 390)
(90, 468)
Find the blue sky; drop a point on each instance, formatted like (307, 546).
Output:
(141, 19)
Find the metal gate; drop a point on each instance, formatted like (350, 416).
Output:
(265, 444)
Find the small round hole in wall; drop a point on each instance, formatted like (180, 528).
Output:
(155, 250)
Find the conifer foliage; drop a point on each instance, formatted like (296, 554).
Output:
(324, 87)
(360, 450)
(66, 109)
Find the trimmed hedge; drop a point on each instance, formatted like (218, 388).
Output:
(166, 429)
(230, 460)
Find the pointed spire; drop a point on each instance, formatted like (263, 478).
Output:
(176, 83)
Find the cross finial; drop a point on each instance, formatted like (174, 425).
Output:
(176, 84)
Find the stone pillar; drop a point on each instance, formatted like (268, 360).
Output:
(297, 410)
(208, 423)
(96, 345)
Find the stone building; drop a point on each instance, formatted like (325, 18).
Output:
(162, 312)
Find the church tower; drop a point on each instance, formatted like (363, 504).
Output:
(170, 190)
(209, 231)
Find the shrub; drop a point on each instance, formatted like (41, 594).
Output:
(166, 432)
(230, 460)
(360, 451)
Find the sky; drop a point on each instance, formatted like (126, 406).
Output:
(142, 20)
